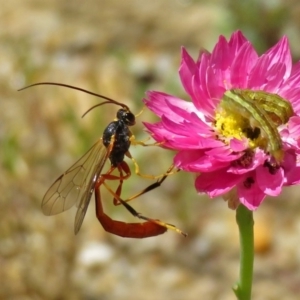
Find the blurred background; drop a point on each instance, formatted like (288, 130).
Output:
(122, 49)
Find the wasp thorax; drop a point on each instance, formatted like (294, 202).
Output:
(256, 116)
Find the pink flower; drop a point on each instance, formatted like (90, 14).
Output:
(233, 162)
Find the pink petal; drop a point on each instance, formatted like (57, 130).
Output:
(194, 161)
(250, 197)
(258, 73)
(186, 71)
(280, 53)
(207, 183)
(242, 65)
(157, 102)
(270, 184)
(219, 55)
(236, 41)
(201, 97)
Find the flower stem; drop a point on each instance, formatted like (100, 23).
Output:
(244, 219)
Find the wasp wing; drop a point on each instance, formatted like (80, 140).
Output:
(88, 191)
(76, 185)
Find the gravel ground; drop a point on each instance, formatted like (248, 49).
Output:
(119, 49)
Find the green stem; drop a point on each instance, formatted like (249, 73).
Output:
(244, 219)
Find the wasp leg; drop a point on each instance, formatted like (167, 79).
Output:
(138, 114)
(170, 171)
(149, 188)
(135, 142)
(122, 167)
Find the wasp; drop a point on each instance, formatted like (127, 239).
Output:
(85, 178)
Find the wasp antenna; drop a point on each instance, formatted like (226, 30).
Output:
(99, 104)
(109, 100)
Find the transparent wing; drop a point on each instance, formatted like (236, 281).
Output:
(76, 185)
(88, 191)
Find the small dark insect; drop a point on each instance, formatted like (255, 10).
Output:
(85, 177)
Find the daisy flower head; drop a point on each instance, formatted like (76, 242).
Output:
(240, 131)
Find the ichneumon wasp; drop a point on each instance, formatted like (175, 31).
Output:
(81, 180)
